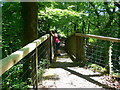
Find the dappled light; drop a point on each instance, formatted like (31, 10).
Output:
(47, 45)
(68, 72)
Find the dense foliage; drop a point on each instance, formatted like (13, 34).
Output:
(98, 18)
(11, 28)
(85, 17)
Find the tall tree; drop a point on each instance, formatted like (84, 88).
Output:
(29, 14)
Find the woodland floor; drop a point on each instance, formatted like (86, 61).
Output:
(63, 73)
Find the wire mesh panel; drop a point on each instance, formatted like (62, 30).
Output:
(17, 77)
(43, 57)
(96, 51)
(103, 53)
(44, 50)
(26, 73)
(116, 57)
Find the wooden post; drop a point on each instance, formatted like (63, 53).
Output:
(110, 59)
(108, 65)
(47, 46)
(80, 51)
(66, 44)
(50, 39)
(52, 48)
(35, 70)
(1, 82)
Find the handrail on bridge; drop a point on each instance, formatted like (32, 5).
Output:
(76, 46)
(31, 54)
(104, 50)
(11, 60)
(98, 37)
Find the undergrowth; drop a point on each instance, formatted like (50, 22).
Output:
(12, 79)
(97, 68)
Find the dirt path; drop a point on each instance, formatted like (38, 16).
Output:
(65, 74)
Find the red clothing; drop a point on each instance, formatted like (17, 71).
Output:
(56, 40)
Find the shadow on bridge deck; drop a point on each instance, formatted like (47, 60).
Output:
(63, 73)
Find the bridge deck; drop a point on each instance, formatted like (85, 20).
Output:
(65, 74)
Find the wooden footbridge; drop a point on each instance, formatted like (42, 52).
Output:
(25, 64)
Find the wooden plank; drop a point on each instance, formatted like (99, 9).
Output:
(9, 61)
(99, 37)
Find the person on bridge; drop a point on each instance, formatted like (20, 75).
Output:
(57, 42)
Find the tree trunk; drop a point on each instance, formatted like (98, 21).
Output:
(29, 15)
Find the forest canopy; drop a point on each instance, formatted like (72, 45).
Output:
(98, 18)
(26, 28)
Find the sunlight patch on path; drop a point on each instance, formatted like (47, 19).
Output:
(63, 74)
